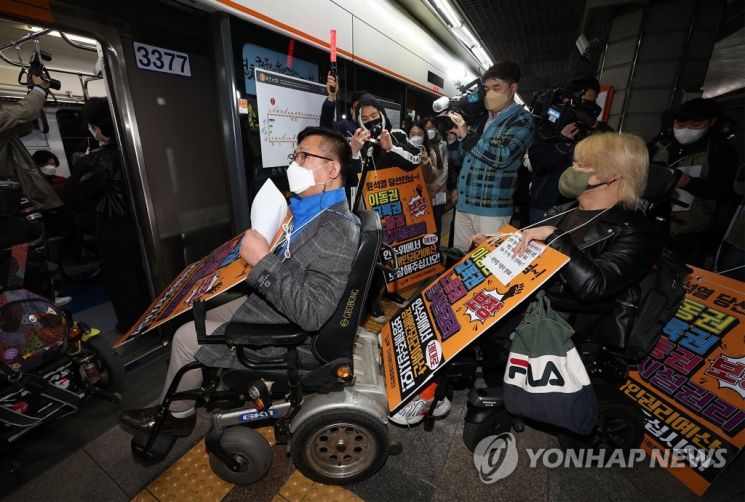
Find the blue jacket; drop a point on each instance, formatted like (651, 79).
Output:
(489, 173)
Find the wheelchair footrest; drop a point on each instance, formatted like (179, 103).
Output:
(156, 453)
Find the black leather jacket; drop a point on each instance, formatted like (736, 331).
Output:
(99, 179)
(599, 285)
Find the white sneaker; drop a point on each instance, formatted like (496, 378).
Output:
(60, 301)
(414, 412)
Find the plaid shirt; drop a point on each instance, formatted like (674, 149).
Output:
(489, 173)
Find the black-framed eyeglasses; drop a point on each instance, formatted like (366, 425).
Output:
(301, 156)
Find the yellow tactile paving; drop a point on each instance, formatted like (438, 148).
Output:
(268, 433)
(296, 487)
(190, 479)
(144, 496)
(299, 488)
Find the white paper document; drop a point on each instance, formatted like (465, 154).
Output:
(682, 195)
(268, 211)
(505, 264)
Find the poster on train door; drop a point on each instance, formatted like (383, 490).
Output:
(464, 302)
(286, 106)
(691, 387)
(405, 208)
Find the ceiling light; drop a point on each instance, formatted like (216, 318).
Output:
(74, 38)
(482, 56)
(447, 11)
(465, 36)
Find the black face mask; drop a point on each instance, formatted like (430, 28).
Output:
(375, 127)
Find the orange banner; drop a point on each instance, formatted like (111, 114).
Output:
(214, 274)
(460, 305)
(691, 387)
(405, 208)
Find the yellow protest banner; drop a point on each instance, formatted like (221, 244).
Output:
(460, 305)
(403, 203)
(691, 387)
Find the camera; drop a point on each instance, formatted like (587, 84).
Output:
(555, 108)
(36, 67)
(376, 130)
(469, 104)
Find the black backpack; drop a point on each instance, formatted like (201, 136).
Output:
(661, 294)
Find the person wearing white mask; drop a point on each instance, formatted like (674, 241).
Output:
(709, 165)
(492, 151)
(302, 286)
(440, 147)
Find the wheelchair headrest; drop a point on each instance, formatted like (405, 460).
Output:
(661, 182)
(335, 340)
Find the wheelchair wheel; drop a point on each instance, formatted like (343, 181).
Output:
(340, 447)
(620, 426)
(473, 432)
(107, 363)
(250, 449)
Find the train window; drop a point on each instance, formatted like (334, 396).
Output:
(257, 47)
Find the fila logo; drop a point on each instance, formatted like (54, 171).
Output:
(551, 375)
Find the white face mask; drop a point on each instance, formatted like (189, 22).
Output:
(416, 140)
(299, 178)
(688, 136)
(48, 170)
(431, 133)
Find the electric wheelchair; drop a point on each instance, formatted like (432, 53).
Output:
(333, 415)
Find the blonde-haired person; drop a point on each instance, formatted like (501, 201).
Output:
(610, 243)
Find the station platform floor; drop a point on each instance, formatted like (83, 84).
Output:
(86, 457)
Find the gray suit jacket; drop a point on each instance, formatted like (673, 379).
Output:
(304, 289)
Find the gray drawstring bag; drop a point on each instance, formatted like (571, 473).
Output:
(545, 379)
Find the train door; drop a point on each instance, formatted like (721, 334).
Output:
(160, 79)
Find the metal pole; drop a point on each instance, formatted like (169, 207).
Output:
(230, 121)
(645, 13)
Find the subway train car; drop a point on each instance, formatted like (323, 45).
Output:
(184, 112)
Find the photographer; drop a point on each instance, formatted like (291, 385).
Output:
(328, 110)
(548, 159)
(15, 161)
(376, 145)
(491, 152)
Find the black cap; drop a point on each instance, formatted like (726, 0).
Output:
(698, 109)
(509, 71)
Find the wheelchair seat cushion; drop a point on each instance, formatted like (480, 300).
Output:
(32, 330)
(220, 356)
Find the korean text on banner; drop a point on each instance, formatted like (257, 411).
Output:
(460, 305)
(214, 274)
(691, 387)
(401, 200)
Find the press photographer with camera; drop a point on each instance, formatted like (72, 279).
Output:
(15, 161)
(551, 154)
(491, 150)
(377, 145)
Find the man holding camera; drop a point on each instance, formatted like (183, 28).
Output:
(491, 152)
(15, 161)
(549, 158)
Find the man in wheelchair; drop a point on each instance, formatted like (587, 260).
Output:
(298, 282)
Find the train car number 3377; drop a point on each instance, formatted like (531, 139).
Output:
(162, 60)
